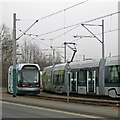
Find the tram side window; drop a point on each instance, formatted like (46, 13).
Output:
(61, 77)
(82, 77)
(45, 78)
(73, 77)
(48, 76)
(58, 78)
(112, 74)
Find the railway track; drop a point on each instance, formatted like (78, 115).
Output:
(76, 99)
(79, 100)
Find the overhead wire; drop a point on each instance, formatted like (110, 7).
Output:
(63, 10)
(43, 44)
(113, 30)
(67, 26)
(27, 29)
(76, 5)
(60, 11)
(54, 37)
(76, 25)
(65, 32)
(33, 38)
(101, 17)
(99, 34)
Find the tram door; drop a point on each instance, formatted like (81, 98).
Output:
(91, 85)
(73, 81)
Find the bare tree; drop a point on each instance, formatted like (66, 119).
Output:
(32, 53)
(57, 59)
(24, 52)
(6, 44)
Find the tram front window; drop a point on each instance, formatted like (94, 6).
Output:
(30, 75)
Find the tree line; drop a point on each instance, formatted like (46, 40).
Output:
(27, 52)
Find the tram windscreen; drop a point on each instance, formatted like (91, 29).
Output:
(30, 74)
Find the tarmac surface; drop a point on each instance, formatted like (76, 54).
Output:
(108, 112)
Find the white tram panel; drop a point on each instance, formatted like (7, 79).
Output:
(85, 65)
(10, 79)
(113, 91)
(19, 67)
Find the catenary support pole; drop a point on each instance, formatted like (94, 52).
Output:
(65, 52)
(14, 55)
(103, 56)
(102, 61)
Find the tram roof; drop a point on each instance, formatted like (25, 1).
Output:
(24, 64)
(60, 66)
(19, 66)
(48, 68)
(115, 60)
(84, 64)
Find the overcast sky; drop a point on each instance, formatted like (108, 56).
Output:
(30, 11)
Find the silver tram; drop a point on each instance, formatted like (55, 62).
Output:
(84, 77)
(28, 79)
